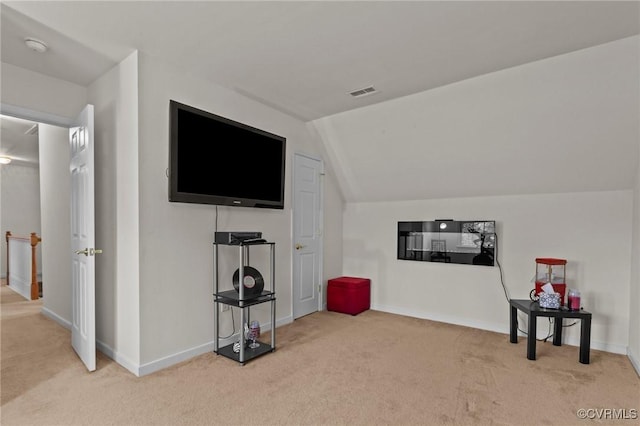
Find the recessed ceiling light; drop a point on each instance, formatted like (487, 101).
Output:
(35, 44)
(5, 160)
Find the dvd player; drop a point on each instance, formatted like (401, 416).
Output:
(225, 237)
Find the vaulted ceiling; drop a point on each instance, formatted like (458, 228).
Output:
(305, 57)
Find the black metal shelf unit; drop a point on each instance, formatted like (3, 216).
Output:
(236, 299)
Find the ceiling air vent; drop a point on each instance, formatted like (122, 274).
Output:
(363, 92)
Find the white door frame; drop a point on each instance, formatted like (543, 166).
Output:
(39, 117)
(31, 115)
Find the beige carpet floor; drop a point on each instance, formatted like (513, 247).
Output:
(328, 369)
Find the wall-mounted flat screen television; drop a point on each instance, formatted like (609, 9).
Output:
(471, 242)
(215, 160)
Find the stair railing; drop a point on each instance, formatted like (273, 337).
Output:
(22, 270)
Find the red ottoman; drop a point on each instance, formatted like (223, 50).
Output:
(349, 295)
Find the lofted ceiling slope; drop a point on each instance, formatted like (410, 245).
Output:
(304, 57)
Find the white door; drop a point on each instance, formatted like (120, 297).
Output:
(83, 326)
(307, 235)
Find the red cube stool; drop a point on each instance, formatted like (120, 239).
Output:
(349, 295)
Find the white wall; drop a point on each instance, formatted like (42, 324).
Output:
(115, 98)
(19, 205)
(590, 230)
(176, 239)
(55, 199)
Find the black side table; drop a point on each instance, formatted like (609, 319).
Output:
(533, 310)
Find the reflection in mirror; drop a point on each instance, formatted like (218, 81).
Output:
(464, 242)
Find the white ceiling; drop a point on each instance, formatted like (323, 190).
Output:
(18, 140)
(304, 57)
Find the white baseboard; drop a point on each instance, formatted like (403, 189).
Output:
(102, 347)
(495, 327)
(123, 361)
(634, 361)
(21, 289)
(57, 318)
(161, 363)
(167, 361)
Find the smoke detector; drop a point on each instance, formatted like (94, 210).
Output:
(35, 44)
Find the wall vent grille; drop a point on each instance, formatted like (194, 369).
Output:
(363, 92)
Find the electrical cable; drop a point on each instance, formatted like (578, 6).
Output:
(504, 287)
(233, 320)
(506, 294)
(549, 333)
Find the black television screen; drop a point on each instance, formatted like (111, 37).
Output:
(215, 160)
(471, 242)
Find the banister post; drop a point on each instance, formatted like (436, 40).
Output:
(7, 236)
(35, 290)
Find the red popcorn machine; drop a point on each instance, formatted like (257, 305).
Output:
(551, 270)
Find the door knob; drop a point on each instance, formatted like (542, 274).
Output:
(299, 246)
(89, 251)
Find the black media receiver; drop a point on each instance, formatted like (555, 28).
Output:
(225, 237)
